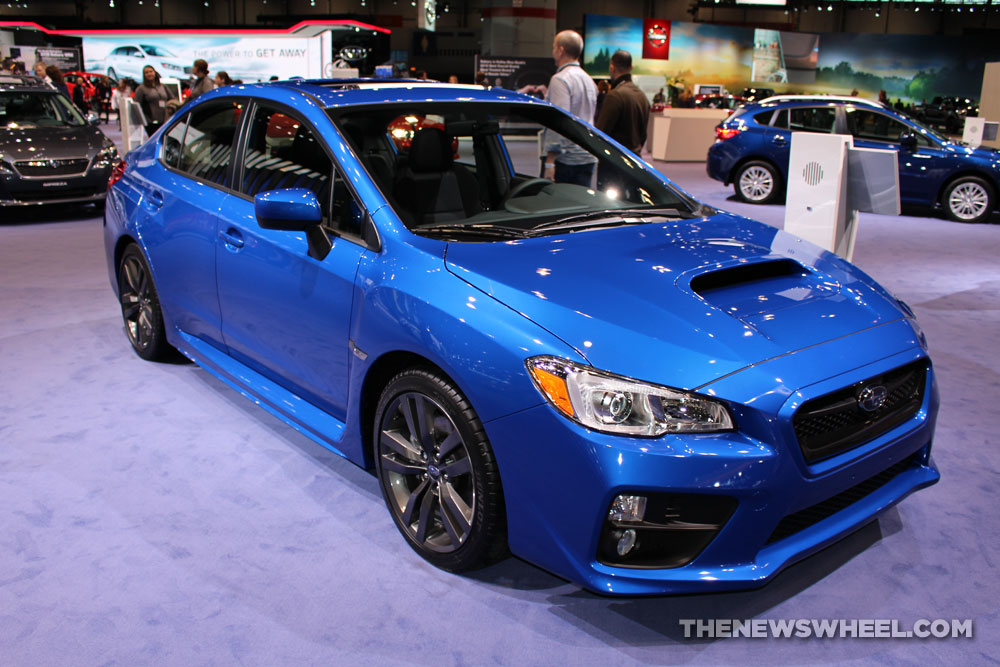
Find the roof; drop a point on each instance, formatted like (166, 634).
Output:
(24, 82)
(776, 99)
(336, 92)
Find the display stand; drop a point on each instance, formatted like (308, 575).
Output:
(683, 135)
(830, 182)
(133, 124)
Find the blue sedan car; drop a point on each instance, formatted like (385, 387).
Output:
(752, 148)
(613, 381)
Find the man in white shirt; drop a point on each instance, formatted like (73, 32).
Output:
(573, 90)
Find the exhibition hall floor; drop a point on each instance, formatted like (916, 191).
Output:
(152, 515)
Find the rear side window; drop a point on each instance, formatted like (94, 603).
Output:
(208, 142)
(173, 143)
(764, 118)
(812, 119)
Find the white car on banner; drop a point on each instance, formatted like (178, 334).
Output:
(128, 60)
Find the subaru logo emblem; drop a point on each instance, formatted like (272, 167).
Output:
(872, 398)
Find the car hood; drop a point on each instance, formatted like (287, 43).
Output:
(50, 142)
(683, 303)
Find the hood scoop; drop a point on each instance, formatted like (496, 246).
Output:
(752, 288)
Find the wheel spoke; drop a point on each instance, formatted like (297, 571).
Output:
(423, 523)
(414, 409)
(414, 501)
(129, 310)
(449, 524)
(457, 510)
(460, 467)
(392, 464)
(395, 441)
(130, 268)
(453, 440)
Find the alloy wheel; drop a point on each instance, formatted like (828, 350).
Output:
(427, 472)
(756, 183)
(968, 201)
(137, 301)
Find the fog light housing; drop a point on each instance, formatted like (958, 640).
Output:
(627, 508)
(661, 530)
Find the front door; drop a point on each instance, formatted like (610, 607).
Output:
(284, 313)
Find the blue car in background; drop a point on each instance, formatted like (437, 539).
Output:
(752, 148)
(613, 381)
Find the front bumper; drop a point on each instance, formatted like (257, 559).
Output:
(91, 186)
(560, 479)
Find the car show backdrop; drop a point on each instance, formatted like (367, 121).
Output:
(251, 59)
(912, 68)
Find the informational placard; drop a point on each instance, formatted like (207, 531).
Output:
(525, 75)
(66, 58)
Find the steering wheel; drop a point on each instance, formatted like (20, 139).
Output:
(520, 188)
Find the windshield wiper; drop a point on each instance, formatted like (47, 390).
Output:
(480, 229)
(613, 216)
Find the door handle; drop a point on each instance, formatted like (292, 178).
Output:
(232, 238)
(779, 140)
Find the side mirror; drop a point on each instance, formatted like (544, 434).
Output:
(908, 141)
(294, 210)
(93, 118)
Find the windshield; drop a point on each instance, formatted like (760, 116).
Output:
(37, 109)
(157, 51)
(479, 166)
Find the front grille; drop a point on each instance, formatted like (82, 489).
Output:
(67, 167)
(802, 519)
(836, 422)
(56, 193)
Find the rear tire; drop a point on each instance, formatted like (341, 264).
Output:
(141, 307)
(969, 199)
(757, 182)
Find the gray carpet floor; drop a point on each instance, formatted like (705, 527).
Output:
(151, 515)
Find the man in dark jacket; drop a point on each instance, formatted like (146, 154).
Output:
(624, 116)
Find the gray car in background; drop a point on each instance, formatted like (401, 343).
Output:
(49, 153)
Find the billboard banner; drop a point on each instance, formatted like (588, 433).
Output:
(251, 59)
(655, 39)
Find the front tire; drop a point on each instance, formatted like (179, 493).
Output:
(969, 199)
(141, 307)
(757, 182)
(437, 472)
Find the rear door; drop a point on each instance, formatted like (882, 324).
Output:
(182, 194)
(284, 313)
(778, 139)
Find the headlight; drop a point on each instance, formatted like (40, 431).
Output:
(173, 67)
(106, 157)
(615, 404)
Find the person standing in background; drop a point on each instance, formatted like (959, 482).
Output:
(152, 97)
(571, 89)
(202, 84)
(223, 79)
(40, 68)
(624, 117)
(57, 81)
(625, 113)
